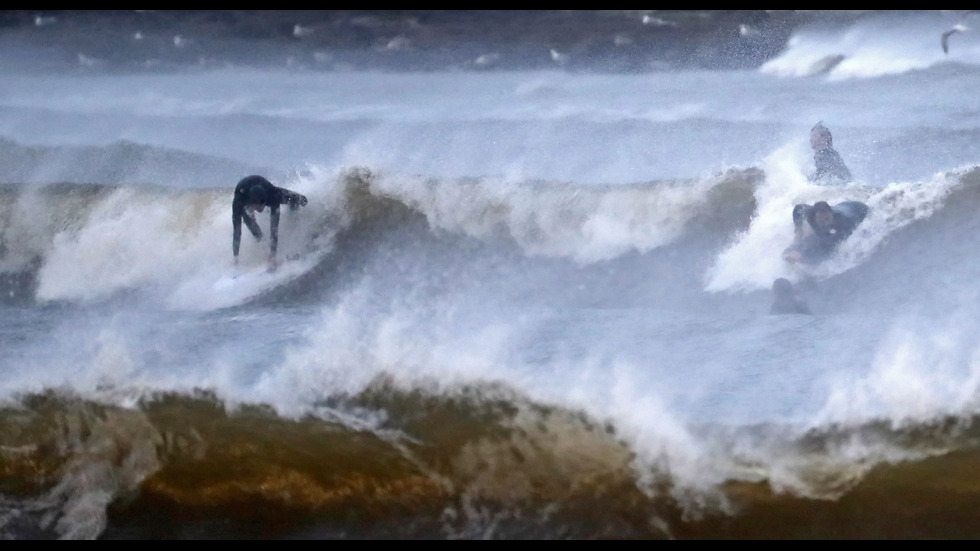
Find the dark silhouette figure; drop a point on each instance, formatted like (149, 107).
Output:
(786, 300)
(253, 194)
(828, 162)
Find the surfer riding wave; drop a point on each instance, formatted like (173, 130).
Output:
(825, 229)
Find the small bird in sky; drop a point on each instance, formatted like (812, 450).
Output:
(746, 30)
(622, 39)
(486, 60)
(559, 57)
(87, 61)
(651, 20)
(299, 31)
(959, 27)
(398, 43)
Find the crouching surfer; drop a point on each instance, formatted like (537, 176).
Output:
(253, 194)
(828, 227)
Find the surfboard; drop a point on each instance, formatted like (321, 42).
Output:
(229, 286)
(257, 278)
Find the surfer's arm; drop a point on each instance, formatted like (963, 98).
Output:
(236, 232)
(239, 214)
(253, 226)
(273, 230)
(809, 250)
(295, 200)
(792, 255)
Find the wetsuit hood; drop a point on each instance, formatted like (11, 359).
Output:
(811, 215)
(820, 137)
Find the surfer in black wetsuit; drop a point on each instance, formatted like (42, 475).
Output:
(786, 300)
(828, 226)
(253, 194)
(828, 162)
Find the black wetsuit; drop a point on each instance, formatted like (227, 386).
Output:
(819, 244)
(274, 196)
(829, 165)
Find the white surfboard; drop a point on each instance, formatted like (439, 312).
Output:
(225, 287)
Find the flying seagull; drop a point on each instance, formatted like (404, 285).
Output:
(486, 60)
(651, 20)
(87, 61)
(746, 30)
(299, 31)
(959, 27)
(944, 40)
(558, 57)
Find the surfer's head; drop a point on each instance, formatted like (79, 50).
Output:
(256, 198)
(782, 287)
(820, 137)
(821, 216)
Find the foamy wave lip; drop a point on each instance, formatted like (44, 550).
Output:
(129, 241)
(754, 258)
(886, 44)
(584, 223)
(891, 208)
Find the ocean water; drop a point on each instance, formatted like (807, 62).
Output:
(519, 305)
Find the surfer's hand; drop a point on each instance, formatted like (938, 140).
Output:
(273, 263)
(792, 256)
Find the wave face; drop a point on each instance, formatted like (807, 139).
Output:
(518, 304)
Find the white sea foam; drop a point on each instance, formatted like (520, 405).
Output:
(883, 44)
